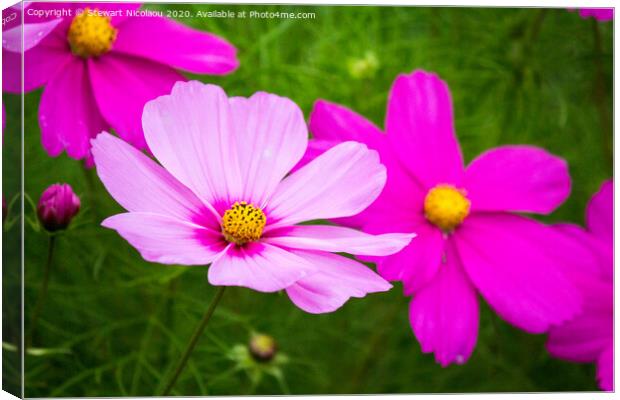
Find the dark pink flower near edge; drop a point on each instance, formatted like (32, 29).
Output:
(589, 336)
(600, 14)
(484, 247)
(222, 196)
(86, 94)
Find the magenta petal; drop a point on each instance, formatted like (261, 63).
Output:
(336, 239)
(271, 136)
(420, 130)
(69, 128)
(354, 181)
(444, 314)
(41, 63)
(600, 14)
(517, 178)
(605, 369)
(417, 264)
(506, 256)
(600, 213)
(315, 148)
(112, 74)
(258, 266)
(336, 280)
(197, 147)
(138, 184)
(167, 240)
(581, 339)
(166, 41)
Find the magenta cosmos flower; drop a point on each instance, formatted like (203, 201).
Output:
(470, 240)
(99, 67)
(221, 197)
(589, 336)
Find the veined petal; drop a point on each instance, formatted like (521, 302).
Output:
(444, 314)
(168, 42)
(271, 136)
(341, 182)
(506, 257)
(258, 266)
(336, 280)
(167, 240)
(338, 239)
(420, 129)
(139, 184)
(517, 178)
(190, 132)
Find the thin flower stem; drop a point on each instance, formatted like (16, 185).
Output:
(43, 292)
(194, 339)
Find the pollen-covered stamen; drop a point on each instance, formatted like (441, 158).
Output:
(446, 206)
(243, 223)
(91, 34)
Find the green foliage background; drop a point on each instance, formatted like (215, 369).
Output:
(114, 324)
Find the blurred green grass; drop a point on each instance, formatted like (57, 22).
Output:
(534, 76)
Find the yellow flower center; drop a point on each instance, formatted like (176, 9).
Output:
(243, 223)
(446, 207)
(91, 34)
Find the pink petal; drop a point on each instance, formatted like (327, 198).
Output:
(167, 240)
(420, 130)
(341, 182)
(337, 280)
(271, 137)
(417, 264)
(315, 148)
(65, 127)
(605, 369)
(330, 121)
(258, 266)
(589, 257)
(166, 41)
(112, 74)
(14, 41)
(444, 314)
(41, 63)
(140, 185)
(190, 133)
(581, 339)
(600, 14)
(517, 178)
(600, 213)
(336, 239)
(506, 256)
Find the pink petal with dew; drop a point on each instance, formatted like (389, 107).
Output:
(605, 369)
(190, 132)
(41, 63)
(341, 182)
(517, 178)
(336, 280)
(259, 266)
(113, 75)
(14, 41)
(167, 240)
(271, 136)
(417, 264)
(420, 130)
(69, 128)
(600, 213)
(506, 257)
(139, 184)
(168, 42)
(337, 239)
(444, 314)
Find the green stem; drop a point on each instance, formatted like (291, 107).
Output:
(43, 292)
(194, 339)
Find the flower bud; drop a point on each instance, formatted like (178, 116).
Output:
(262, 347)
(57, 207)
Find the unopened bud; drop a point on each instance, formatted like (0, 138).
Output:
(57, 207)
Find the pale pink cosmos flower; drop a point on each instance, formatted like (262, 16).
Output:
(221, 196)
(589, 336)
(99, 67)
(470, 238)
